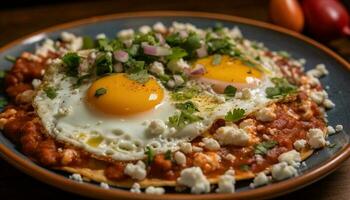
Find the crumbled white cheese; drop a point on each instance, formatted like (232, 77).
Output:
(235, 32)
(328, 104)
(266, 114)
(136, 171)
(318, 97)
(135, 188)
(186, 147)
(159, 27)
(330, 130)
(177, 65)
(36, 83)
(104, 185)
(226, 184)
(291, 157)
(281, 171)
(118, 67)
(180, 158)
(76, 177)
(316, 138)
(64, 111)
(299, 144)
(339, 127)
(231, 135)
(171, 83)
(45, 48)
(211, 144)
(74, 43)
(246, 93)
(319, 71)
(194, 178)
(145, 29)
(156, 127)
(220, 99)
(157, 68)
(259, 180)
(125, 34)
(155, 190)
(178, 80)
(197, 149)
(101, 36)
(230, 157)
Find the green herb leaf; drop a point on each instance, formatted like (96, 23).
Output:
(50, 92)
(101, 91)
(218, 27)
(174, 39)
(248, 63)
(3, 102)
(167, 155)
(332, 145)
(148, 38)
(235, 115)
(2, 73)
(263, 147)
(284, 54)
(182, 119)
(192, 42)
(282, 88)
(71, 61)
(188, 106)
(185, 94)
(134, 66)
(88, 42)
(244, 167)
(216, 59)
(230, 91)
(103, 45)
(150, 153)
(140, 77)
(177, 53)
(103, 64)
(81, 79)
(10, 58)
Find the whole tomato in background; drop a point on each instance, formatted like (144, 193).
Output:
(327, 21)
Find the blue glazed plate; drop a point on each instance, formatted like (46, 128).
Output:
(318, 165)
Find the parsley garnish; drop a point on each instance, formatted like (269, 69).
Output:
(135, 66)
(103, 64)
(150, 154)
(235, 115)
(167, 155)
(10, 58)
(103, 45)
(281, 89)
(71, 61)
(263, 147)
(216, 59)
(188, 106)
(140, 77)
(192, 42)
(244, 167)
(230, 91)
(50, 92)
(3, 102)
(177, 53)
(101, 91)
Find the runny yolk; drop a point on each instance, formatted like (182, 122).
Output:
(124, 96)
(228, 70)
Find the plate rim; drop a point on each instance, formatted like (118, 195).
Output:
(273, 190)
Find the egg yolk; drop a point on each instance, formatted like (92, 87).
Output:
(118, 95)
(228, 70)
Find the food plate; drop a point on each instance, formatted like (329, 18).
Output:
(321, 163)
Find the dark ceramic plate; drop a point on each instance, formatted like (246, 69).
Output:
(319, 165)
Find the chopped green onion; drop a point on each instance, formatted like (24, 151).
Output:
(50, 92)
(230, 91)
(71, 61)
(10, 58)
(101, 91)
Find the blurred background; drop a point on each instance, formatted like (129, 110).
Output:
(324, 20)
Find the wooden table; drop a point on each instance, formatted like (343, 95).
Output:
(16, 22)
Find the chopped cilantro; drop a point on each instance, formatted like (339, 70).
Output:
(103, 64)
(3, 102)
(235, 115)
(2, 73)
(216, 59)
(263, 147)
(244, 167)
(192, 42)
(174, 39)
(81, 79)
(135, 66)
(230, 91)
(133, 50)
(177, 53)
(101, 91)
(140, 77)
(248, 63)
(10, 58)
(332, 145)
(50, 92)
(150, 154)
(148, 38)
(284, 54)
(167, 155)
(71, 61)
(188, 106)
(281, 89)
(103, 45)
(182, 119)
(185, 94)
(88, 42)
(218, 27)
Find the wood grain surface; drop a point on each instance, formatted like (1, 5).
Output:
(16, 21)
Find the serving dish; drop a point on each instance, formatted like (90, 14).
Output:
(320, 164)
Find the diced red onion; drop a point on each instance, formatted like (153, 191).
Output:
(198, 70)
(121, 56)
(202, 51)
(160, 38)
(156, 50)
